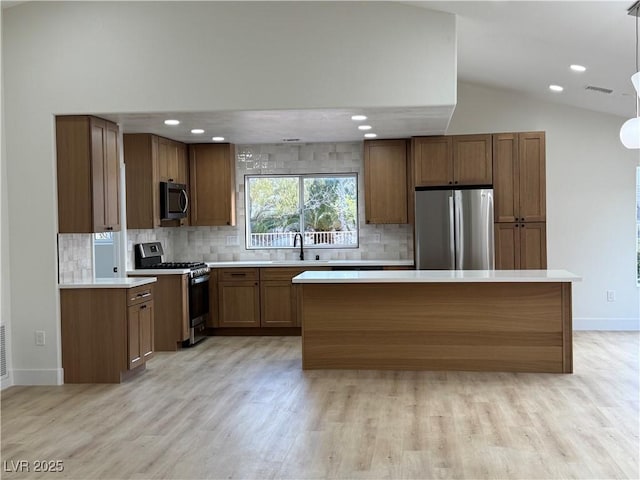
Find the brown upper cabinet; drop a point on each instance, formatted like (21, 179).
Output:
(432, 160)
(173, 165)
(472, 163)
(88, 174)
(519, 177)
(149, 160)
(212, 172)
(385, 181)
(452, 160)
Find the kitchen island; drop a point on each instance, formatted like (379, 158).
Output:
(482, 320)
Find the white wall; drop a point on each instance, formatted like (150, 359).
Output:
(590, 196)
(5, 316)
(79, 57)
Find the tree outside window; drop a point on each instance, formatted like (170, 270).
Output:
(324, 207)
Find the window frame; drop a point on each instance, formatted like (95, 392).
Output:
(638, 226)
(301, 177)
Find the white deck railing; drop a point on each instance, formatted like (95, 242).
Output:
(285, 239)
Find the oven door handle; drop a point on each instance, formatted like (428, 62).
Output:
(202, 279)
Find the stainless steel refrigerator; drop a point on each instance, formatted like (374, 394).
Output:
(454, 228)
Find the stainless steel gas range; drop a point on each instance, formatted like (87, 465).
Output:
(149, 255)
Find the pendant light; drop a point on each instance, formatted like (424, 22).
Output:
(630, 131)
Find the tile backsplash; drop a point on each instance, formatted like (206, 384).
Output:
(163, 235)
(376, 242)
(75, 257)
(225, 243)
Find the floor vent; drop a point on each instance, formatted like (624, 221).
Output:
(608, 91)
(3, 351)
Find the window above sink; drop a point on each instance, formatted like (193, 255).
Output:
(323, 207)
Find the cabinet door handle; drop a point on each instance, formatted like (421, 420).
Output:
(238, 274)
(142, 306)
(108, 228)
(140, 295)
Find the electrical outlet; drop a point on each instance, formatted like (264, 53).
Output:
(40, 338)
(232, 240)
(375, 238)
(611, 295)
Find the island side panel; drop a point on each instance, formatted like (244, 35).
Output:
(434, 326)
(567, 329)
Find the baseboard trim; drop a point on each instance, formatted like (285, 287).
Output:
(614, 324)
(53, 376)
(7, 381)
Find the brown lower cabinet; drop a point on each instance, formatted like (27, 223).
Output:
(521, 245)
(238, 297)
(171, 319)
(278, 297)
(107, 333)
(140, 318)
(255, 297)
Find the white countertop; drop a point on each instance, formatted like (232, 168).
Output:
(436, 276)
(124, 282)
(159, 271)
(312, 263)
(278, 263)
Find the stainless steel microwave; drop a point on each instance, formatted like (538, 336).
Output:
(173, 200)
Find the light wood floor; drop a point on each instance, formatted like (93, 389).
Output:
(241, 407)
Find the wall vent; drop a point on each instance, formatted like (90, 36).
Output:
(3, 351)
(593, 88)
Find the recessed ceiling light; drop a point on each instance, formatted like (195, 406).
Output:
(172, 122)
(555, 88)
(577, 68)
(197, 130)
(370, 135)
(364, 127)
(358, 118)
(217, 139)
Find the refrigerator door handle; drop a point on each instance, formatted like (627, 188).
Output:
(459, 244)
(491, 264)
(452, 233)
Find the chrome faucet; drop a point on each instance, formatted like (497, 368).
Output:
(295, 240)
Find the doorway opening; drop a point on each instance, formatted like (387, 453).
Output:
(106, 254)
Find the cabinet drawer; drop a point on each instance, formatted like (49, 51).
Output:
(136, 295)
(285, 273)
(279, 273)
(238, 274)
